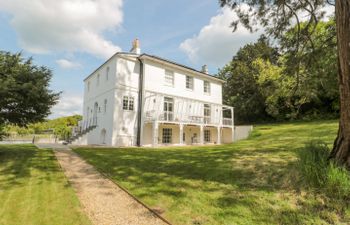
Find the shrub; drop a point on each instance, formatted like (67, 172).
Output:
(313, 163)
(338, 181)
(320, 174)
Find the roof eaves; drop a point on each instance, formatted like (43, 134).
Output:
(181, 65)
(117, 53)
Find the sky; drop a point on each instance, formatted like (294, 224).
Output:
(74, 37)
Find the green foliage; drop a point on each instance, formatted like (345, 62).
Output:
(268, 84)
(3, 133)
(241, 88)
(313, 163)
(338, 182)
(322, 175)
(25, 96)
(62, 127)
(313, 68)
(34, 189)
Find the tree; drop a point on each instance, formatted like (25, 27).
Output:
(25, 96)
(261, 83)
(241, 87)
(275, 87)
(278, 16)
(341, 148)
(316, 82)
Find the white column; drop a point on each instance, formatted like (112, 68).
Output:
(233, 125)
(201, 136)
(181, 140)
(233, 133)
(155, 133)
(219, 136)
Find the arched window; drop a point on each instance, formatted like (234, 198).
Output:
(105, 106)
(107, 73)
(103, 136)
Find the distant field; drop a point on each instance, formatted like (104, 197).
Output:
(254, 181)
(33, 189)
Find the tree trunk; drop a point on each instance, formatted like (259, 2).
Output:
(341, 148)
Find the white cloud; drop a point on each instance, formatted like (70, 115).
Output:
(44, 26)
(68, 105)
(215, 44)
(66, 64)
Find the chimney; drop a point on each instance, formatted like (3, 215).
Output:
(136, 46)
(205, 69)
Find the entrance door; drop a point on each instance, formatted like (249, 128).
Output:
(168, 109)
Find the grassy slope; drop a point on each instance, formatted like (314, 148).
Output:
(249, 182)
(33, 189)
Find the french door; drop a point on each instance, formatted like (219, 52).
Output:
(168, 110)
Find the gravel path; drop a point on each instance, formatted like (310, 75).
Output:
(104, 202)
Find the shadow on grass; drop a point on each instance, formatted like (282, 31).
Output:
(244, 179)
(18, 161)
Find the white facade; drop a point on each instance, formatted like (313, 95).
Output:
(179, 105)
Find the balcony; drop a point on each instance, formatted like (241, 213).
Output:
(173, 109)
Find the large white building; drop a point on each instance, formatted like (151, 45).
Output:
(136, 99)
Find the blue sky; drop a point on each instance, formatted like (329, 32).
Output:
(73, 37)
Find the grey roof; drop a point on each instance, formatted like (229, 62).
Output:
(158, 58)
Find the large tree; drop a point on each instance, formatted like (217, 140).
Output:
(25, 96)
(241, 87)
(278, 16)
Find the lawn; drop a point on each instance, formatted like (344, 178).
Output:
(253, 181)
(34, 190)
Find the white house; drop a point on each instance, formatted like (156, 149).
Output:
(136, 99)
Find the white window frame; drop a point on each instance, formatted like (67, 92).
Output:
(128, 103)
(169, 78)
(207, 135)
(207, 113)
(189, 82)
(167, 135)
(206, 87)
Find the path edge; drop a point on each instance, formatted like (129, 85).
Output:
(118, 185)
(125, 190)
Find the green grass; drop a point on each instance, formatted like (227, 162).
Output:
(34, 190)
(254, 181)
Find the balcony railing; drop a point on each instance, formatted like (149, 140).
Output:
(171, 108)
(227, 121)
(194, 119)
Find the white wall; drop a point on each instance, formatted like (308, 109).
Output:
(147, 138)
(189, 134)
(98, 93)
(226, 135)
(242, 132)
(154, 81)
(123, 80)
(125, 121)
